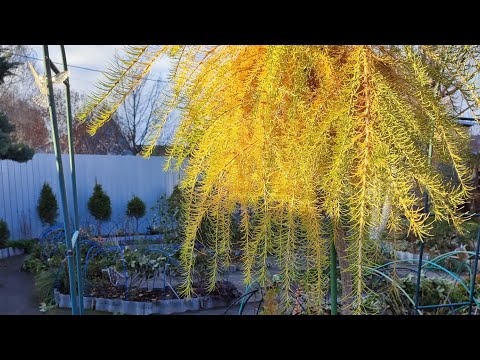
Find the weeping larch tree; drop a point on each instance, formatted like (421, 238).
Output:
(316, 145)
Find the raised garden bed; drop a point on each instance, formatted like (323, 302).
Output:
(145, 302)
(128, 307)
(10, 251)
(131, 239)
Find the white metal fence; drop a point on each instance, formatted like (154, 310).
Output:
(121, 178)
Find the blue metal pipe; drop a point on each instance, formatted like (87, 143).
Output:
(61, 180)
(419, 276)
(443, 305)
(473, 277)
(71, 151)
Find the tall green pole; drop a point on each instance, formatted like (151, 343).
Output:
(333, 279)
(74, 182)
(422, 245)
(61, 179)
(474, 275)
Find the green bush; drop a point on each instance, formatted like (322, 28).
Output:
(175, 201)
(136, 209)
(4, 233)
(45, 283)
(19, 153)
(386, 299)
(143, 266)
(446, 238)
(167, 218)
(47, 205)
(33, 264)
(99, 206)
(8, 149)
(26, 244)
(36, 261)
(435, 291)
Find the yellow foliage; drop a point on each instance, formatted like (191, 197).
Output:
(299, 136)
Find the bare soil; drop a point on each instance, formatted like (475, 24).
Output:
(224, 290)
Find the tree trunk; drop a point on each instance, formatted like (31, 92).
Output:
(346, 277)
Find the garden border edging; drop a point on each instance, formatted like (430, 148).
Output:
(410, 257)
(162, 307)
(10, 251)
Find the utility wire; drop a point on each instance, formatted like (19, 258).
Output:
(79, 67)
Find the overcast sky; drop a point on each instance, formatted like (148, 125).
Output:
(94, 57)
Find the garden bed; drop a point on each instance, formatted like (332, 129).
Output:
(147, 302)
(130, 307)
(10, 251)
(131, 239)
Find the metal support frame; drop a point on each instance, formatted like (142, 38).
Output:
(419, 307)
(72, 245)
(333, 254)
(471, 288)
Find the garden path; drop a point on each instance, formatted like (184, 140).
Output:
(17, 295)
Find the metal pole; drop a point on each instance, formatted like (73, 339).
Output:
(333, 279)
(474, 275)
(419, 274)
(61, 180)
(74, 182)
(422, 245)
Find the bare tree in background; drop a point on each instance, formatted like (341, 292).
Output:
(29, 121)
(32, 122)
(109, 141)
(15, 100)
(137, 114)
(76, 100)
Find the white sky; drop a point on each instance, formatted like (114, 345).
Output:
(95, 57)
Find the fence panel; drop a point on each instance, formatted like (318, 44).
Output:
(121, 178)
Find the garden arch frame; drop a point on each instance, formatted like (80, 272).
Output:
(71, 237)
(465, 122)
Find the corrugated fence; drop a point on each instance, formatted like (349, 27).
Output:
(121, 178)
